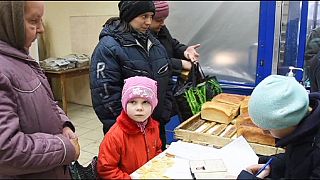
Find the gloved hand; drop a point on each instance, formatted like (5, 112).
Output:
(191, 53)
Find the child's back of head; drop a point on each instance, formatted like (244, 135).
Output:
(278, 102)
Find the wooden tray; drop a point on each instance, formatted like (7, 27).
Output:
(181, 132)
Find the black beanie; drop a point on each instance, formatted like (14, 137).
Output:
(131, 9)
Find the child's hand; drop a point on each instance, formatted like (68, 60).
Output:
(253, 169)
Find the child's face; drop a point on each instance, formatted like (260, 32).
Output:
(138, 109)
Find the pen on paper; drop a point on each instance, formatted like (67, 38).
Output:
(264, 167)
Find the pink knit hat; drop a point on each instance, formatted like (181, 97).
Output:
(139, 86)
(162, 9)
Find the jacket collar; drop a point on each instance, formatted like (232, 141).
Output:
(162, 33)
(10, 51)
(124, 38)
(130, 126)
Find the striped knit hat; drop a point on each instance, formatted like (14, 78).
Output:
(162, 9)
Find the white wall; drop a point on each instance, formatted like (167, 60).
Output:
(74, 27)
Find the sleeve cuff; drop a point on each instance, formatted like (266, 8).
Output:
(70, 125)
(176, 66)
(246, 175)
(69, 151)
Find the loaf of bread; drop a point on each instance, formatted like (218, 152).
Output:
(255, 135)
(244, 119)
(251, 132)
(234, 99)
(244, 105)
(219, 111)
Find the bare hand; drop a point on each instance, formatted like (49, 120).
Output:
(253, 169)
(186, 65)
(67, 132)
(191, 53)
(76, 146)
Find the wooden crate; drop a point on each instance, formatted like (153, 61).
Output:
(181, 132)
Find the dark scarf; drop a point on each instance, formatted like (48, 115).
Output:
(141, 37)
(12, 23)
(123, 27)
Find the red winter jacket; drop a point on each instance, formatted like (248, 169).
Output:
(125, 148)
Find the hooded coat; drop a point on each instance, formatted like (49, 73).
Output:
(31, 123)
(312, 58)
(175, 51)
(174, 48)
(302, 157)
(119, 56)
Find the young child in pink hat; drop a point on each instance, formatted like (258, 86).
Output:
(134, 139)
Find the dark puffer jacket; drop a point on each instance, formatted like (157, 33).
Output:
(173, 47)
(312, 58)
(302, 157)
(118, 56)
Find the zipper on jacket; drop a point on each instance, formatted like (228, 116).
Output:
(136, 70)
(149, 46)
(163, 69)
(147, 51)
(147, 147)
(138, 44)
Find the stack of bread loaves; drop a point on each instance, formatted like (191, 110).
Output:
(231, 108)
(222, 108)
(251, 132)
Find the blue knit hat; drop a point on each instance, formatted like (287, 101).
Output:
(278, 102)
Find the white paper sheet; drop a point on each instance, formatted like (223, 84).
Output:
(192, 151)
(180, 169)
(238, 155)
